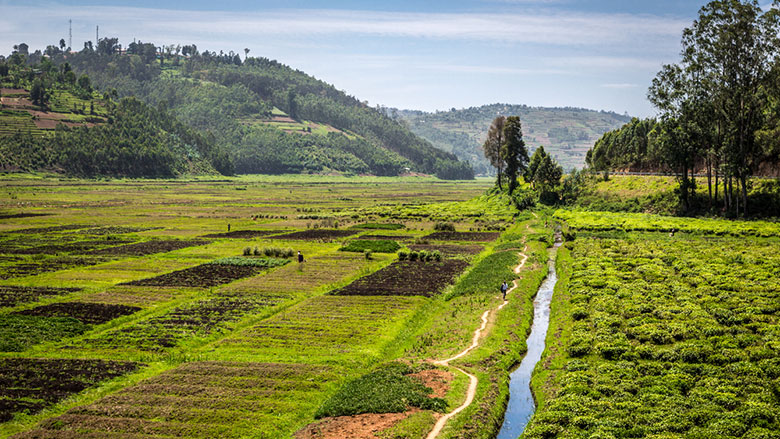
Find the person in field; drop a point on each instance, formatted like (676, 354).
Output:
(300, 257)
(504, 288)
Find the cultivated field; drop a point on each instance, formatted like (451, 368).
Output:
(157, 302)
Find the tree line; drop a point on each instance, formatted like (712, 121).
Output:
(718, 108)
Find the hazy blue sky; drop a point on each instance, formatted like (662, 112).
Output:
(426, 55)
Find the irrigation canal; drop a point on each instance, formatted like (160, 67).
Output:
(521, 401)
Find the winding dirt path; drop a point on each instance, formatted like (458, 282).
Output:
(473, 381)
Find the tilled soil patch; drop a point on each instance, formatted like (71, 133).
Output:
(204, 275)
(89, 313)
(317, 234)
(406, 278)
(243, 234)
(50, 229)
(464, 236)
(448, 249)
(362, 426)
(147, 248)
(21, 215)
(84, 247)
(390, 237)
(32, 384)
(201, 318)
(13, 295)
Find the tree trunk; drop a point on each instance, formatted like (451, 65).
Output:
(743, 178)
(498, 178)
(709, 179)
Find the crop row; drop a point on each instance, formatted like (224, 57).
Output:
(15, 295)
(201, 399)
(664, 338)
(622, 221)
(32, 384)
(199, 318)
(407, 278)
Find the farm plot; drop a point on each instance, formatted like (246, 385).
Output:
(47, 264)
(148, 247)
(89, 313)
(80, 247)
(463, 236)
(209, 275)
(663, 337)
(316, 234)
(21, 215)
(201, 399)
(15, 295)
(323, 329)
(116, 230)
(199, 318)
(448, 250)
(50, 229)
(407, 278)
(29, 385)
(244, 234)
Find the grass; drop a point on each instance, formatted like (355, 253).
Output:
(378, 246)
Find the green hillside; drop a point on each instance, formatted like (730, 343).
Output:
(270, 118)
(566, 133)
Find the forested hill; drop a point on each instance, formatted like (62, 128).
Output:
(566, 133)
(267, 117)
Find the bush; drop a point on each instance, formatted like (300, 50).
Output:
(254, 262)
(403, 255)
(367, 253)
(444, 227)
(378, 226)
(277, 252)
(247, 251)
(388, 389)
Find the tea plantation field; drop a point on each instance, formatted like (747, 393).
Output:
(662, 328)
(179, 308)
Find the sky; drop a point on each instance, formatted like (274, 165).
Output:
(420, 55)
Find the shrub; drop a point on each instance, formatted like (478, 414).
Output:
(403, 255)
(367, 253)
(388, 389)
(276, 252)
(254, 262)
(247, 251)
(444, 227)
(378, 226)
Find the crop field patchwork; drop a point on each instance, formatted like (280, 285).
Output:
(463, 236)
(14, 295)
(147, 248)
(29, 385)
(407, 278)
(316, 234)
(200, 399)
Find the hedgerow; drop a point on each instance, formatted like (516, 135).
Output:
(250, 262)
(378, 246)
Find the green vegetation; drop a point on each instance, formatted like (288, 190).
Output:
(487, 275)
(17, 333)
(265, 116)
(250, 262)
(379, 226)
(374, 245)
(387, 389)
(566, 133)
(659, 336)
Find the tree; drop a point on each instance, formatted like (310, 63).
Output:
(62, 44)
(513, 151)
(533, 165)
(492, 147)
(292, 105)
(38, 93)
(85, 84)
(246, 54)
(22, 48)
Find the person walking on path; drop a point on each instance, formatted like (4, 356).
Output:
(504, 288)
(300, 257)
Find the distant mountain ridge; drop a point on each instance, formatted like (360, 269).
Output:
(567, 133)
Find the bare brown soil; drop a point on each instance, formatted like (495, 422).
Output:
(463, 236)
(317, 234)
(437, 379)
(13, 295)
(21, 215)
(89, 313)
(50, 229)
(363, 426)
(83, 247)
(116, 230)
(32, 384)
(243, 234)
(147, 248)
(205, 275)
(406, 278)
